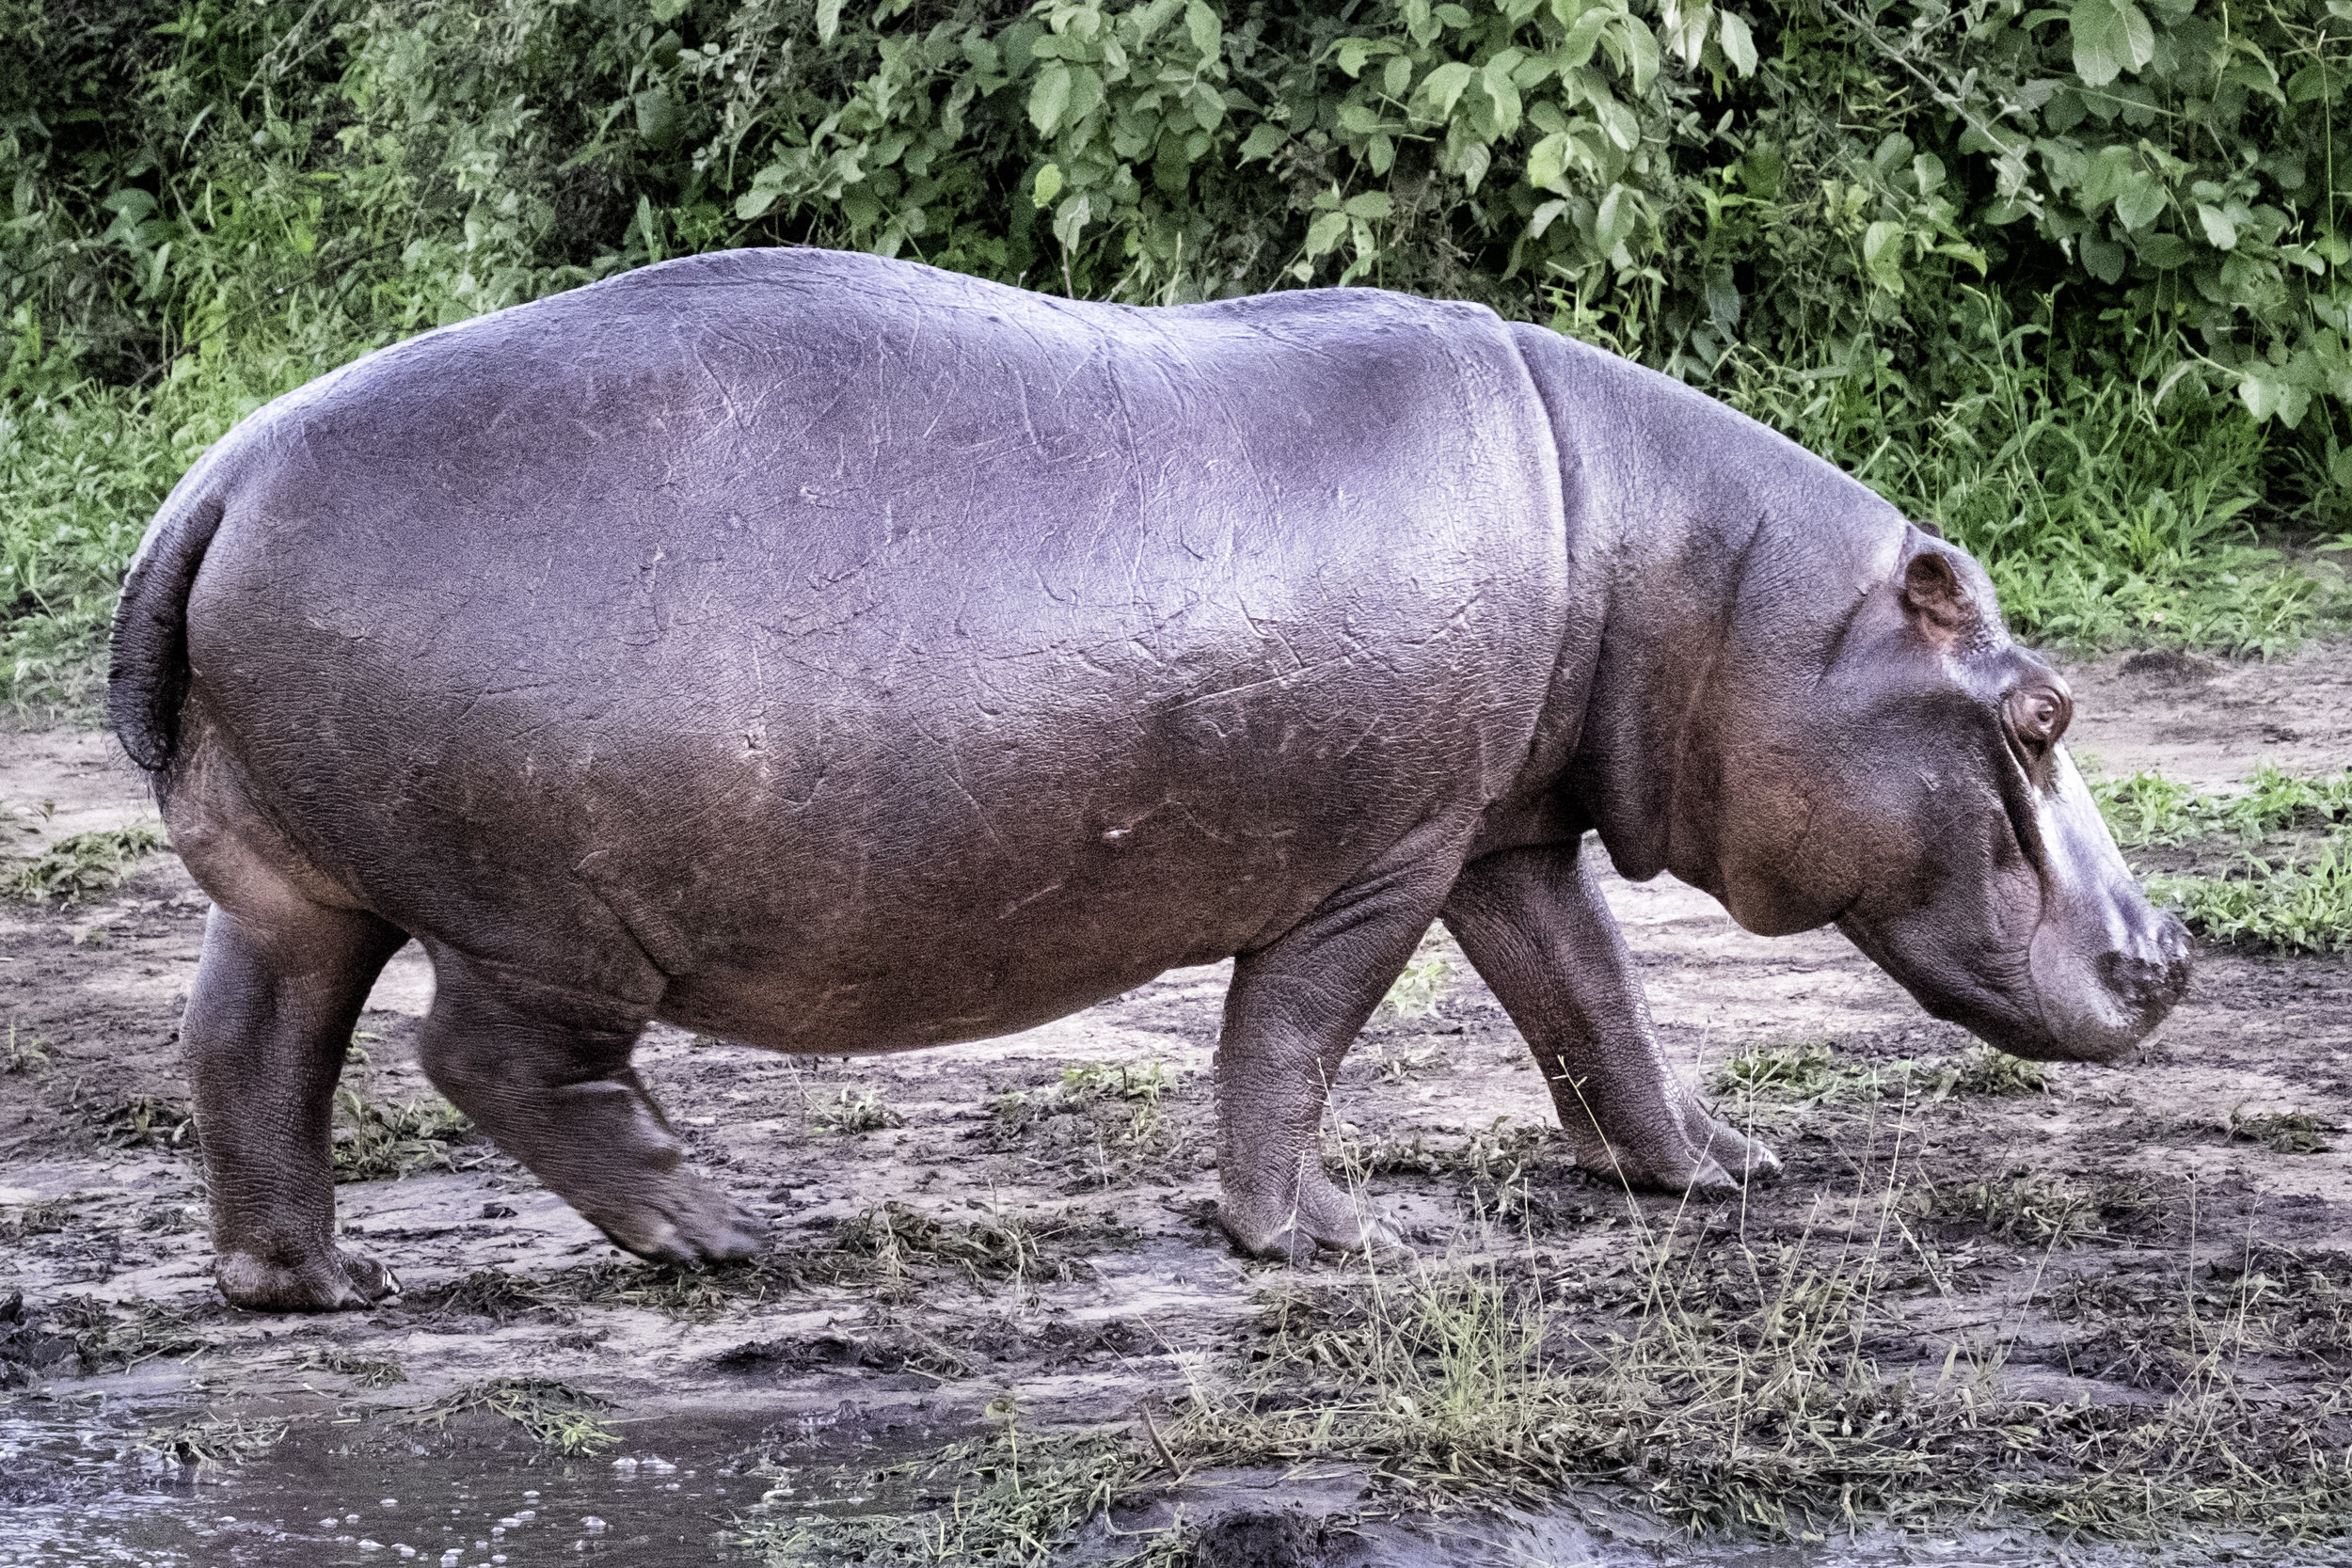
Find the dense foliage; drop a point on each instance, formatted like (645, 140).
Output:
(2070, 280)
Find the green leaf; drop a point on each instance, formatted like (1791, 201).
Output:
(1048, 186)
(1577, 48)
(2102, 258)
(1326, 232)
(1208, 108)
(1351, 55)
(1883, 255)
(1547, 163)
(755, 202)
(2141, 202)
(1738, 44)
(1613, 224)
(1071, 220)
(1263, 141)
(1618, 121)
(2269, 394)
(1086, 95)
(2220, 230)
(1642, 44)
(1442, 88)
(1373, 205)
(2110, 37)
(1049, 99)
(828, 20)
(1208, 32)
(1503, 94)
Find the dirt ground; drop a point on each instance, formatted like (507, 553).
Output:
(964, 1226)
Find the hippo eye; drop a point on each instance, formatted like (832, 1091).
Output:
(2038, 716)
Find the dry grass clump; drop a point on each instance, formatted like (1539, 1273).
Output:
(888, 1249)
(559, 1418)
(211, 1439)
(384, 1143)
(117, 1335)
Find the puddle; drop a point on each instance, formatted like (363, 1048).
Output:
(77, 1493)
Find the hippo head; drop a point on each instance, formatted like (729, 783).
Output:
(1919, 795)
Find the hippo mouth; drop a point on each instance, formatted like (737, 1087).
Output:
(2049, 1003)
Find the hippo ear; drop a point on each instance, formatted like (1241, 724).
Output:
(1937, 599)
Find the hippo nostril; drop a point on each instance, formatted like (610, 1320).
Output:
(2151, 984)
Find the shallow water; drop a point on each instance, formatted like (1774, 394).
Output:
(314, 1500)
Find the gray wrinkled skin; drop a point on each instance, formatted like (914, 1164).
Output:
(837, 655)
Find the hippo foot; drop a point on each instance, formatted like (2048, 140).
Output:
(1319, 1218)
(336, 1280)
(681, 1219)
(1701, 1157)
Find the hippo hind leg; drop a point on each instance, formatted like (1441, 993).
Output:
(269, 1018)
(545, 1071)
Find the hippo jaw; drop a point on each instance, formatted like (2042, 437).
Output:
(2098, 967)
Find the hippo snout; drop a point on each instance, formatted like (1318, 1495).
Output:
(2149, 979)
(2095, 1007)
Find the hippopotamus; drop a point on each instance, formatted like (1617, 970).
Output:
(834, 654)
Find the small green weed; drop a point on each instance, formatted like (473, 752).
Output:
(24, 1052)
(1986, 1071)
(856, 1111)
(77, 869)
(2300, 906)
(1417, 991)
(2281, 1131)
(1805, 1069)
(2015, 1206)
(382, 1143)
(2148, 811)
(46, 1218)
(1085, 1083)
(559, 1418)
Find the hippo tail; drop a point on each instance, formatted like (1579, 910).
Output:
(148, 676)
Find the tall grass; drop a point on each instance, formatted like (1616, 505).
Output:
(2107, 511)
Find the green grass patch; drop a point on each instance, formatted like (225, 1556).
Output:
(2296, 905)
(77, 869)
(2281, 1131)
(2291, 892)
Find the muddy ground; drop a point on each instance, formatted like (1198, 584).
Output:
(974, 1225)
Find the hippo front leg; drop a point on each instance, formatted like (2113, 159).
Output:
(1294, 1010)
(1535, 926)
